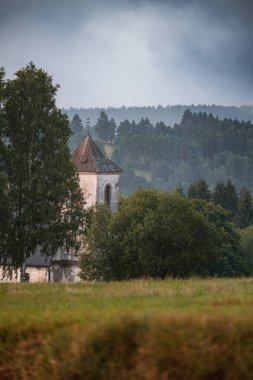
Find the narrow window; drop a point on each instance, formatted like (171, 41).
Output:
(108, 195)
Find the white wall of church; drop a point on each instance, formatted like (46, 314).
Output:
(88, 184)
(113, 181)
(5, 278)
(37, 274)
(59, 273)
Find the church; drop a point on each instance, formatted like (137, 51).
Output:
(99, 182)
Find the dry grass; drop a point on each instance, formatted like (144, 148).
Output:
(173, 329)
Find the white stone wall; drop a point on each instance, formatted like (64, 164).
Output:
(93, 186)
(59, 273)
(113, 181)
(88, 185)
(15, 277)
(37, 274)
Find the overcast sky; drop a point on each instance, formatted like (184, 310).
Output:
(110, 53)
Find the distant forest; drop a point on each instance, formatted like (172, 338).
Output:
(200, 146)
(169, 115)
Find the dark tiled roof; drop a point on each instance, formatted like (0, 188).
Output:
(89, 158)
(36, 260)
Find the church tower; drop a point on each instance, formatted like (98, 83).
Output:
(98, 175)
(99, 179)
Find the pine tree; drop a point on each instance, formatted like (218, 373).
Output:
(225, 195)
(199, 190)
(219, 194)
(77, 130)
(76, 125)
(105, 128)
(245, 209)
(232, 198)
(45, 206)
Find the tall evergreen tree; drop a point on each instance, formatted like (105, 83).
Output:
(232, 198)
(245, 209)
(199, 190)
(225, 195)
(105, 128)
(76, 125)
(77, 130)
(219, 194)
(45, 206)
(124, 129)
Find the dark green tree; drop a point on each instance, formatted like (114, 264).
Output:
(232, 198)
(229, 261)
(124, 129)
(76, 125)
(105, 128)
(219, 194)
(199, 190)
(245, 210)
(158, 234)
(225, 195)
(143, 128)
(38, 178)
(77, 130)
(246, 245)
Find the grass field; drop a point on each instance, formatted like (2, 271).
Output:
(172, 329)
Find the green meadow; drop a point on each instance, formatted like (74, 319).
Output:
(144, 329)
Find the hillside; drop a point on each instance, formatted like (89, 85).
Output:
(200, 146)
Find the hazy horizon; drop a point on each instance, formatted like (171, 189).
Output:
(134, 53)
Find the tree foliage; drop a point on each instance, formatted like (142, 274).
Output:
(246, 245)
(38, 182)
(225, 195)
(105, 128)
(157, 234)
(77, 130)
(199, 190)
(245, 208)
(199, 147)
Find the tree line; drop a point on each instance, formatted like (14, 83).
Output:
(161, 156)
(168, 114)
(239, 206)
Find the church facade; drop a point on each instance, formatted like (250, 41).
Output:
(99, 179)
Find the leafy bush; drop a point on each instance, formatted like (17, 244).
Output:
(158, 234)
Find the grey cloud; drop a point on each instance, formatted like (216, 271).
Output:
(134, 52)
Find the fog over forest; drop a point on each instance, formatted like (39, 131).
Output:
(134, 53)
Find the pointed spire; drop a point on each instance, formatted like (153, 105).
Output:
(88, 158)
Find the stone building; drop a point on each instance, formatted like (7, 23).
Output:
(37, 270)
(99, 178)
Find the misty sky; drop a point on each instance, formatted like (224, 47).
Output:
(110, 53)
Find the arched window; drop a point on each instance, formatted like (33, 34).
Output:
(108, 195)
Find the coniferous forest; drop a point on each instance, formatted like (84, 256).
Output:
(200, 146)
